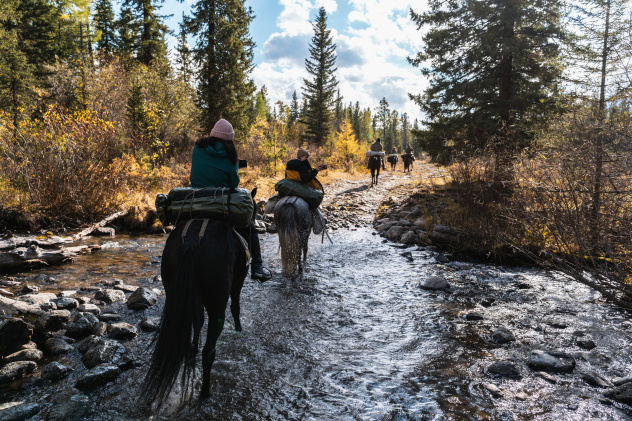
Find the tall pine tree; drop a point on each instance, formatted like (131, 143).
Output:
(128, 34)
(493, 68)
(294, 110)
(320, 90)
(184, 57)
(152, 45)
(105, 27)
(224, 54)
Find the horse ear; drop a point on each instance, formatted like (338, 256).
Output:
(253, 193)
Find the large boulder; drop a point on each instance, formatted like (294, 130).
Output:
(98, 376)
(142, 299)
(18, 411)
(395, 233)
(24, 355)
(39, 299)
(551, 361)
(16, 370)
(409, 237)
(105, 351)
(82, 326)
(110, 296)
(13, 334)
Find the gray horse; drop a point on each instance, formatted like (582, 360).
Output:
(293, 219)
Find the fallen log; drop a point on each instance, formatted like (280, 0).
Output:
(101, 224)
(25, 258)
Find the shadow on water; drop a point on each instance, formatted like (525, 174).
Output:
(357, 339)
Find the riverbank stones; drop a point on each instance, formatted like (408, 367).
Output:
(18, 411)
(89, 308)
(98, 376)
(502, 335)
(66, 303)
(551, 361)
(149, 325)
(435, 283)
(122, 331)
(595, 379)
(57, 320)
(56, 346)
(505, 369)
(104, 351)
(75, 407)
(587, 344)
(55, 371)
(82, 326)
(110, 296)
(16, 370)
(13, 334)
(474, 316)
(142, 299)
(24, 355)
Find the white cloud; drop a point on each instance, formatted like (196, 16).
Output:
(329, 5)
(295, 19)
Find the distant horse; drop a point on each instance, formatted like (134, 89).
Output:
(203, 263)
(375, 162)
(393, 160)
(408, 161)
(293, 219)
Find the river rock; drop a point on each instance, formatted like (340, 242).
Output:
(395, 233)
(435, 283)
(105, 351)
(122, 331)
(29, 289)
(13, 334)
(88, 343)
(67, 408)
(409, 237)
(385, 226)
(551, 361)
(56, 346)
(622, 394)
(473, 316)
(618, 381)
(595, 379)
(404, 223)
(505, 369)
(587, 344)
(54, 371)
(149, 324)
(89, 308)
(57, 320)
(66, 303)
(38, 299)
(493, 389)
(82, 326)
(16, 370)
(142, 299)
(24, 355)
(98, 376)
(502, 335)
(546, 376)
(110, 296)
(18, 411)
(109, 317)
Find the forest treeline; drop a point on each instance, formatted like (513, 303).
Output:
(528, 103)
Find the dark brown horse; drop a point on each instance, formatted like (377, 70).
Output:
(375, 162)
(408, 159)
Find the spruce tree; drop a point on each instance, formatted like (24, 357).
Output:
(294, 110)
(320, 90)
(105, 27)
(152, 45)
(382, 116)
(224, 54)
(184, 58)
(493, 68)
(128, 30)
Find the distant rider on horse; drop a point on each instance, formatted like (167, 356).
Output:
(300, 170)
(214, 164)
(377, 147)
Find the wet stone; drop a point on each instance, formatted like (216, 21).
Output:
(109, 317)
(57, 320)
(440, 258)
(110, 296)
(122, 331)
(493, 389)
(409, 237)
(105, 351)
(622, 394)
(38, 299)
(408, 256)
(89, 308)
(586, 344)
(474, 316)
(487, 302)
(66, 303)
(56, 346)
(502, 335)
(88, 343)
(149, 325)
(551, 361)
(142, 299)
(82, 326)
(435, 283)
(395, 233)
(595, 379)
(18, 411)
(16, 370)
(13, 334)
(75, 407)
(55, 371)
(505, 369)
(618, 381)
(24, 355)
(521, 396)
(98, 376)
(100, 328)
(29, 289)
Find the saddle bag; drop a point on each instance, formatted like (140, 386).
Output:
(313, 197)
(370, 154)
(184, 203)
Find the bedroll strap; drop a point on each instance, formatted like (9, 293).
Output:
(186, 228)
(244, 244)
(202, 228)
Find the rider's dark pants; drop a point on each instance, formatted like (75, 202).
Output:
(250, 233)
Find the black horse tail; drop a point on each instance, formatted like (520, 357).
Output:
(182, 319)
(289, 239)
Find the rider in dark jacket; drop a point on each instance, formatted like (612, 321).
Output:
(300, 170)
(214, 164)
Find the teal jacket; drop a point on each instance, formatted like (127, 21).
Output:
(210, 167)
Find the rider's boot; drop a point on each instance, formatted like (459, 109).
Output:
(257, 271)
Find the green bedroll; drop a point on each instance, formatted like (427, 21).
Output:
(313, 197)
(184, 203)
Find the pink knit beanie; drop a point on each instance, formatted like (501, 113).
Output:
(223, 130)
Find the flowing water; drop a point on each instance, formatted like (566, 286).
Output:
(358, 339)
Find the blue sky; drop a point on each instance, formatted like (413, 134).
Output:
(373, 39)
